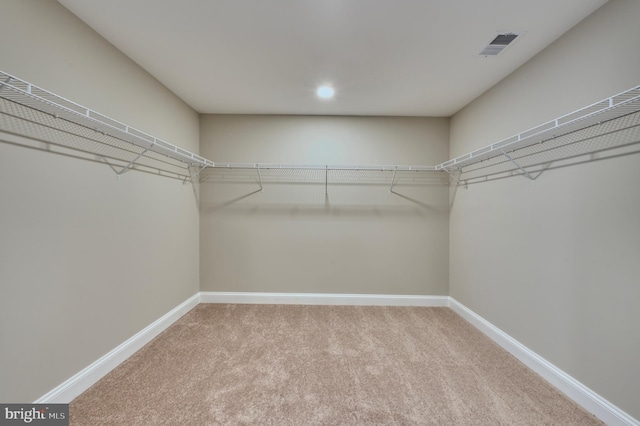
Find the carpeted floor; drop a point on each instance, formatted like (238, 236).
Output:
(323, 365)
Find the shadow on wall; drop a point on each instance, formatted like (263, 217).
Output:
(317, 199)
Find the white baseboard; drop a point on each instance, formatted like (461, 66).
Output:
(74, 386)
(322, 299)
(588, 399)
(80, 382)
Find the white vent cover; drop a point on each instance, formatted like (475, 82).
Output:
(498, 44)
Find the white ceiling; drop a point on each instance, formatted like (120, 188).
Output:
(384, 57)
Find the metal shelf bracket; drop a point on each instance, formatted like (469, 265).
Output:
(393, 179)
(194, 172)
(326, 180)
(515, 163)
(259, 177)
(3, 83)
(129, 166)
(455, 176)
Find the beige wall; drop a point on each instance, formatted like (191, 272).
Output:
(86, 260)
(289, 238)
(555, 265)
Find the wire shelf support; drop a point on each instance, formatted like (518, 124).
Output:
(606, 110)
(41, 117)
(24, 93)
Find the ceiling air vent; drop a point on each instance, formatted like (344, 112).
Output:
(498, 44)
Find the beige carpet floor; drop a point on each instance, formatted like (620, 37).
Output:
(323, 365)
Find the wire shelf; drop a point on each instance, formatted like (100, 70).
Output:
(611, 125)
(323, 174)
(42, 120)
(29, 111)
(611, 138)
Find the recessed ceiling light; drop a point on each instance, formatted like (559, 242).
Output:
(325, 92)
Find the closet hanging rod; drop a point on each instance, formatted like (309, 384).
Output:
(15, 90)
(32, 96)
(625, 103)
(269, 166)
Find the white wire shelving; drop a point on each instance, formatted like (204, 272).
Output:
(605, 126)
(45, 121)
(262, 173)
(27, 110)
